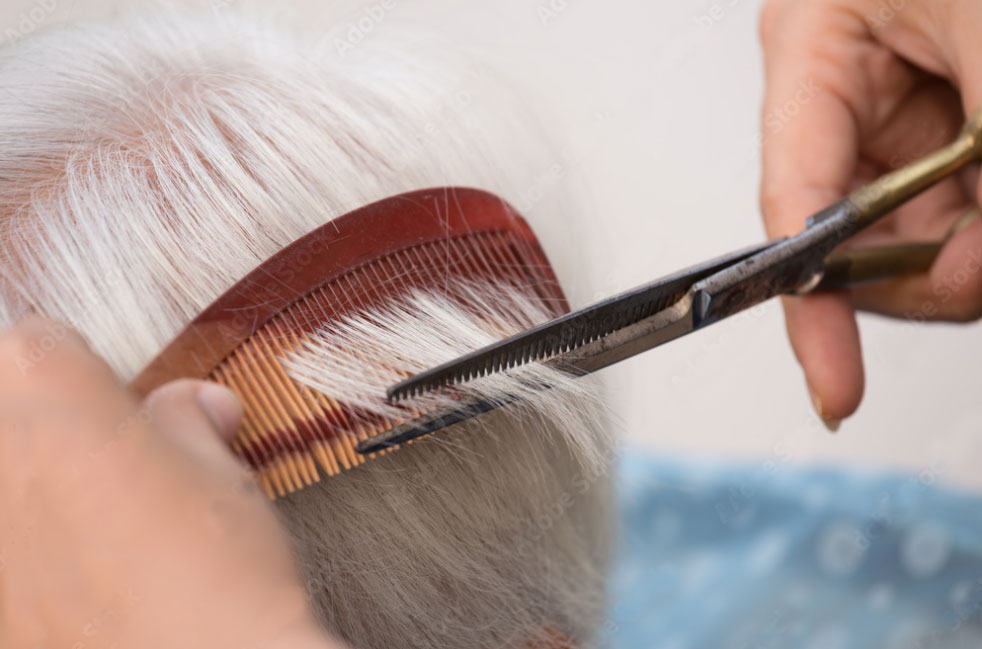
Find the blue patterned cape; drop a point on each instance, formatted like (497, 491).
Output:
(764, 556)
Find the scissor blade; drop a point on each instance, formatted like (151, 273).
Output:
(426, 424)
(569, 332)
(668, 324)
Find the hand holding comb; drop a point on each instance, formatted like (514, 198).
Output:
(438, 241)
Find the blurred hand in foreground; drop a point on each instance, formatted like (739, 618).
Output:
(131, 525)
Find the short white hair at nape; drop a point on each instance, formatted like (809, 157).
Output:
(147, 165)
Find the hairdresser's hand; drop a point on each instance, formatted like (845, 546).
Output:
(855, 88)
(131, 525)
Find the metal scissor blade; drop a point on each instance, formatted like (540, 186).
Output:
(569, 332)
(629, 339)
(668, 324)
(426, 424)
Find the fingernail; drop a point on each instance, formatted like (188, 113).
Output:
(222, 407)
(831, 424)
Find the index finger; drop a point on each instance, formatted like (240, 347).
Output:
(810, 154)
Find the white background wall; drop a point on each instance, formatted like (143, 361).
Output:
(657, 104)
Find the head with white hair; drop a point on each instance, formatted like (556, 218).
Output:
(146, 166)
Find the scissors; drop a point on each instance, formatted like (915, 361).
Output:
(645, 317)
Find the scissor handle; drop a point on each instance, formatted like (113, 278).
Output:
(896, 188)
(871, 202)
(863, 265)
(845, 268)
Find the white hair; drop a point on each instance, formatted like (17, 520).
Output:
(145, 167)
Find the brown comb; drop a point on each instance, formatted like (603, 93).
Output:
(358, 262)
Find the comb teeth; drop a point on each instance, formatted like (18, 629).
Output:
(291, 434)
(427, 241)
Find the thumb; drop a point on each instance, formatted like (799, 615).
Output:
(201, 417)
